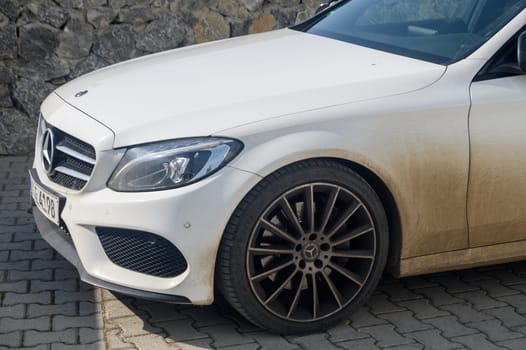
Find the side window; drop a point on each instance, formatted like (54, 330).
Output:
(504, 63)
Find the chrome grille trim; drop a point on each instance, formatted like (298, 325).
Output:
(75, 154)
(73, 173)
(73, 159)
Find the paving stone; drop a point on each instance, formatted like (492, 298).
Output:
(116, 308)
(35, 310)
(17, 255)
(506, 277)
(433, 340)
(63, 286)
(508, 316)
(477, 342)
(386, 336)
(16, 287)
(453, 284)
(313, 341)
(514, 344)
(114, 340)
(12, 339)
(379, 304)
(518, 301)
(134, 326)
(64, 296)
(14, 311)
(405, 322)
(251, 346)
(197, 344)
(88, 308)
(90, 335)
(423, 309)
(495, 331)
(363, 318)
(33, 298)
(398, 292)
(8, 324)
(450, 327)
(92, 346)
(418, 282)
(225, 335)
(32, 338)
(343, 332)
(359, 344)
(15, 265)
(272, 341)
(438, 296)
(42, 275)
(480, 300)
(205, 316)
(61, 322)
(465, 313)
(65, 274)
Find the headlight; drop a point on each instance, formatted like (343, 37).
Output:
(170, 164)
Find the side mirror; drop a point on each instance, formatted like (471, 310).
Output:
(325, 5)
(521, 51)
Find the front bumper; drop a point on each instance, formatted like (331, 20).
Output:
(192, 218)
(62, 243)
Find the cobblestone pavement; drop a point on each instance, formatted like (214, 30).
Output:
(43, 305)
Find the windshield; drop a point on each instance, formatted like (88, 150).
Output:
(440, 31)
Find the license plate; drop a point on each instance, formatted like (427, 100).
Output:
(46, 202)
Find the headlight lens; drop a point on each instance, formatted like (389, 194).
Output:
(170, 164)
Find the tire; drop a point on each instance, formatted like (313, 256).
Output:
(304, 248)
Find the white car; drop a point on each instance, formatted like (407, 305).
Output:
(290, 168)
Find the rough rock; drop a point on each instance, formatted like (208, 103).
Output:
(10, 8)
(252, 5)
(49, 13)
(5, 97)
(44, 70)
(263, 23)
(166, 33)
(71, 4)
(116, 43)
(76, 40)
(8, 41)
(137, 15)
(29, 94)
(37, 41)
(92, 63)
(101, 17)
(7, 76)
(210, 26)
(17, 132)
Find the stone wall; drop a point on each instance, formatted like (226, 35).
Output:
(45, 43)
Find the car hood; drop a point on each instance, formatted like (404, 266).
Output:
(207, 89)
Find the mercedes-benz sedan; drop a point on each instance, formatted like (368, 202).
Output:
(290, 169)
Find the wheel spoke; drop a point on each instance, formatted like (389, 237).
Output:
(291, 215)
(348, 274)
(294, 304)
(278, 291)
(329, 208)
(277, 231)
(345, 217)
(270, 251)
(333, 289)
(271, 271)
(309, 205)
(357, 232)
(315, 298)
(353, 254)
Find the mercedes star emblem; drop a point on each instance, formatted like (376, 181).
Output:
(48, 150)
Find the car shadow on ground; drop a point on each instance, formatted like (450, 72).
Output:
(452, 310)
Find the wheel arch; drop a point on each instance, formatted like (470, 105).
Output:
(391, 211)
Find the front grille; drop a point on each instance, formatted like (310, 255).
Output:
(142, 252)
(73, 160)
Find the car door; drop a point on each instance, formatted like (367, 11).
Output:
(497, 181)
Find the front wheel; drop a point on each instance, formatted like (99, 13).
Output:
(304, 248)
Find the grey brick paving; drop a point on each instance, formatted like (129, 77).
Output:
(44, 306)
